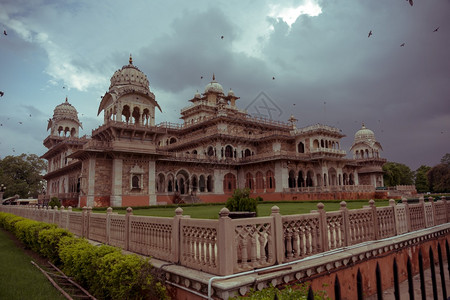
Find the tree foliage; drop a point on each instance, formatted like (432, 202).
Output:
(421, 179)
(439, 176)
(241, 201)
(22, 175)
(397, 174)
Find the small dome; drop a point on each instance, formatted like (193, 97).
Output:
(197, 95)
(231, 93)
(129, 75)
(65, 111)
(214, 87)
(364, 134)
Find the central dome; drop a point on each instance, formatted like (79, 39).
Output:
(364, 134)
(214, 87)
(129, 75)
(65, 111)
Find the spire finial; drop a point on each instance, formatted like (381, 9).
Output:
(66, 99)
(214, 77)
(131, 59)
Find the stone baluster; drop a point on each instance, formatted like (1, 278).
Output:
(375, 230)
(394, 221)
(225, 248)
(345, 230)
(176, 229)
(108, 225)
(127, 228)
(408, 215)
(83, 222)
(323, 229)
(279, 234)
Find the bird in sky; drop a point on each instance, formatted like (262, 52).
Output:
(221, 37)
(370, 33)
(4, 32)
(402, 45)
(1, 94)
(410, 2)
(201, 77)
(273, 78)
(20, 123)
(436, 29)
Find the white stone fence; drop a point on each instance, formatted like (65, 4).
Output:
(227, 246)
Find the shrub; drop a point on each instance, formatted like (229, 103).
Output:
(28, 232)
(49, 242)
(241, 201)
(54, 201)
(298, 291)
(9, 221)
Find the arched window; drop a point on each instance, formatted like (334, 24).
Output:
(301, 147)
(126, 113)
(201, 183)
(249, 181)
(316, 144)
(270, 181)
(210, 151)
(229, 183)
(161, 183)
(350, 179)
(228, 151)
(247, 153)
(291, 179)
(135, 182)
(209, 184)
(300, 179)
(194, 183)
(309, 178)
(259, 182)
(322, 144)
(170, 184)
(345, 179)
(172, 140)
(136, 115)
(194, 152)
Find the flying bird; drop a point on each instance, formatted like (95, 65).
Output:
(1, 94)
(273, 78)
(4, 32)
(436, 29)
(20, 123)
(221, 37)
(201, 77)
(370, 33)
(410, 2)
(402, 45)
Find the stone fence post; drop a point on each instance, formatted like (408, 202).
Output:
(61, 213)
(176, 253)
(392, 204)
(108, 225)
(69, 210)
(345, 223)
(84, 221)
(408, 215)
(128, 228)
(446, 208)
(376, 226)
(225, 237)
(433, 209)
(323, 227)
(279, 235)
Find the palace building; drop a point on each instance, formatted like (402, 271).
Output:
(131, 161)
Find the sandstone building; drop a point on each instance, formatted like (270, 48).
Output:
(131, 161)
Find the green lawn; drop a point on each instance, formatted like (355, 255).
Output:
(19, 279)
(264, 209)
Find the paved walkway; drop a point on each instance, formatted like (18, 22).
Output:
(389, 294)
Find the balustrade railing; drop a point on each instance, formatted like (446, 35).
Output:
(226, 246)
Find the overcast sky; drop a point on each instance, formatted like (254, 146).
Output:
(326, 68)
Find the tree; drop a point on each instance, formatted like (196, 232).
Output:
(22, 175)
(397, 174)
(446, 159)
(421, 179)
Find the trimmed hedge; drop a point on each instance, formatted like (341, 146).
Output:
(103, 270)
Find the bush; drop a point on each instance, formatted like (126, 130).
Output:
(241, 201)
(103, 270)
(49, 242)
(28, 232)
(300, 291)
(54, 201)
(8, 221)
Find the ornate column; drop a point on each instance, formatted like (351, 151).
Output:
(152, 182)
(116, 188)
